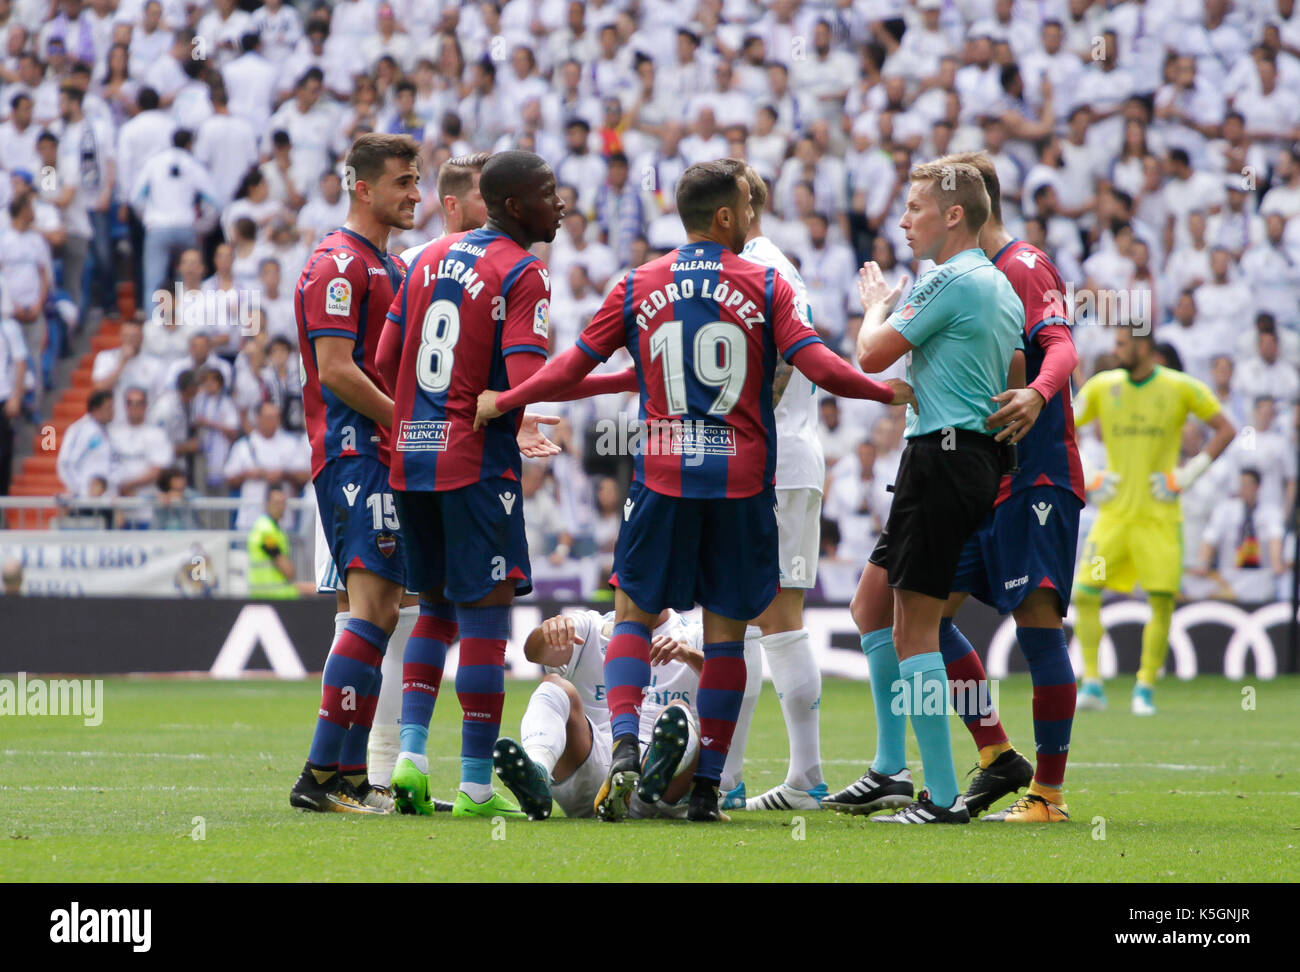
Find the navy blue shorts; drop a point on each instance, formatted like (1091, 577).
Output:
(674, 552)
(463, 542)
(358, 514)
(1026, 543)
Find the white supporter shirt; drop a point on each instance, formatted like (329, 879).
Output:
(84, 454)
(13, 348)
(166, 188)
(1235, 548)
(22, 255)
(226, 145)
(673, 682)
(143, 371)
(800, 461)
(283, 451)
(137, 448)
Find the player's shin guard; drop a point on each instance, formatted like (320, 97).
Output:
(1087, 627)
(426, 655)
(733, 770)
(722, 689)
(1048, 658)
(798, 684)
(350, 671)
(970, 691)
(891, 725)
(481, 688)
(384, 734)
(1155, 638)
(923, 680)
(542, 732)
(627, 673)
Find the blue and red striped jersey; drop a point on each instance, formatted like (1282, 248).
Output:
(1049, 455)
(704, 328)
(469, 301)
(344, 291)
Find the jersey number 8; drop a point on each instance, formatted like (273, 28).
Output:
(720, 362)
(438, 336)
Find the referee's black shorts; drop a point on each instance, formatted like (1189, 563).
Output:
(941, 496)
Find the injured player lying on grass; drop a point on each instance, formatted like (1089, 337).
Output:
(566, 748)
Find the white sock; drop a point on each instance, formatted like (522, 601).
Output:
(385, 736)
(798, 684)
(341, 620)
(733, 771)
(420, 760)
(478, 792)
(692, 745)
(543, 726)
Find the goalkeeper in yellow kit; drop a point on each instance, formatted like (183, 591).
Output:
(1137, 537)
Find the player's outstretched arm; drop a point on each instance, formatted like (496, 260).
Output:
(559, 380)
(552, 644)
(340, 374)
(820, 365)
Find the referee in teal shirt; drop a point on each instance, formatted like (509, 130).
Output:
(962, 324)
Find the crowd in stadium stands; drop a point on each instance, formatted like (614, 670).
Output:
(1152, 148)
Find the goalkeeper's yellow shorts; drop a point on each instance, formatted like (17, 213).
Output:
(1121, 552)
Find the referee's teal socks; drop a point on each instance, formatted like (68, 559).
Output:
(891, 725)
(924, 679)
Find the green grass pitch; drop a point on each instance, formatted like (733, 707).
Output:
(1205, 791)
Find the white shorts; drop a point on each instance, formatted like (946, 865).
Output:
(799, 536)
(327, 575)
(576, 793)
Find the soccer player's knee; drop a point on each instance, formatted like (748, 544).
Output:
(557, 688)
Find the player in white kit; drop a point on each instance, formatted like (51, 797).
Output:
(566, 746)
(779, 630)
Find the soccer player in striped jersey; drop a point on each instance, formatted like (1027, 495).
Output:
(472, 313)
(407, 694)
(341, 300)
(565, 746)
(704, 328)
(800, 475)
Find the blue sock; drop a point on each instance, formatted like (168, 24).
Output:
(891, 726)
(931, 727)
(1050, 670)
(422, 665)
(722, 689)
(627, 673)
(481, 686)
(350, 671)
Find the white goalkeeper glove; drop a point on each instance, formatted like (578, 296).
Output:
(1167, 487)
(1101, 485)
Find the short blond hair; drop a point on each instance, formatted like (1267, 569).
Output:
(757, 189)
(982, 163)
(956, 184)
